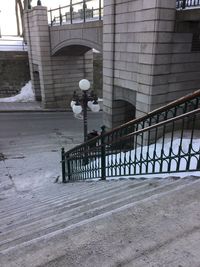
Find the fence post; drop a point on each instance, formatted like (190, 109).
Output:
(60, 15)
(184, 4)
(198, 164)
(71, 12)
(51, 18)
(103, 154)
(99, 9)
(84, 10)
(63, 165)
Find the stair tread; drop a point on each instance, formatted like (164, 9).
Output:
(106, 228)
(44, 227)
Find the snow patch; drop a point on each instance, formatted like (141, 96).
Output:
(12, 44)
(26, 95)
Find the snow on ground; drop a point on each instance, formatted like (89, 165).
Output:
(26, 95)
(11, 43)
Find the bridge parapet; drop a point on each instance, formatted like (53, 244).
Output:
(77, 38)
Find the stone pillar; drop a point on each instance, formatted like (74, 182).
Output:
(137, 36)
(37, 34)
(108, 61)
(163, 50)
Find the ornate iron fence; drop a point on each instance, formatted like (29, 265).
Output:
(76, 12)
(164, 141)
(187, 3)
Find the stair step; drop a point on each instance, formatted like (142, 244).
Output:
(57, 201)
(63, 205)
(10, 207)
(84, 213)
(80, 240)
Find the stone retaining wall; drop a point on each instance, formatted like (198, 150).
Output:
(14, 72)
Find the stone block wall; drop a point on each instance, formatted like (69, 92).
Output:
(176, 67)
(146, 56)
(14, 72)
(67, 72)
(98, 74)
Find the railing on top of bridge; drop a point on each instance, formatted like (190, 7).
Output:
(187, 3)
(76, 12)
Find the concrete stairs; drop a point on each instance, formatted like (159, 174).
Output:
(64, 225)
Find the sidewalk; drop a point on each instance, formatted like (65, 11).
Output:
(14, 106)
(32, 107)
(24, 106)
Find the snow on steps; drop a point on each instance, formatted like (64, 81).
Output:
(37, 225)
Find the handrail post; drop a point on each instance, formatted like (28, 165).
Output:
(99, 9)
(71, 12)
(63, 165)
(103, 154)
(29, 4)
(60, 15)
(183, 4)
(68, 167)
(84, 15)
(51, 17)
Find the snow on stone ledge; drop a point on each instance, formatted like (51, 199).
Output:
(26, 95)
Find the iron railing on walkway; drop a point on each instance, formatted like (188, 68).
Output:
(76, 12)
(187, 3)
(165, 140)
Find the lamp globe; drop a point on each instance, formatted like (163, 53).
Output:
(84, 85)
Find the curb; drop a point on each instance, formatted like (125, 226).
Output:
(35, 110)
(38, 110)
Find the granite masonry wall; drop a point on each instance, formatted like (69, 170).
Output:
(14, 72)
(147, 59)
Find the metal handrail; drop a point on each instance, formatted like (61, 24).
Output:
(148, 154)
(152, 116)
(138, 132)
(182, 4)
(66, 14)
(97, 158)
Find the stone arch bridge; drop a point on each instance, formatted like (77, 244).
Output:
(151, 54)
(60, 55)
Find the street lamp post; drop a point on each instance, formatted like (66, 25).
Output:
(81, 104)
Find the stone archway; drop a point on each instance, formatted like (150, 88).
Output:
(123, 112)
(124, 105)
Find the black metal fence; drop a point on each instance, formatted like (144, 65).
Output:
(187, 3)
(76, 12)
(164, 141)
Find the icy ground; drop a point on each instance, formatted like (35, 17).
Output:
(30, 147)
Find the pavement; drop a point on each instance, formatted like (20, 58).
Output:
(30, 146)
(22, 106)
(31, 106)
(27, 106)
